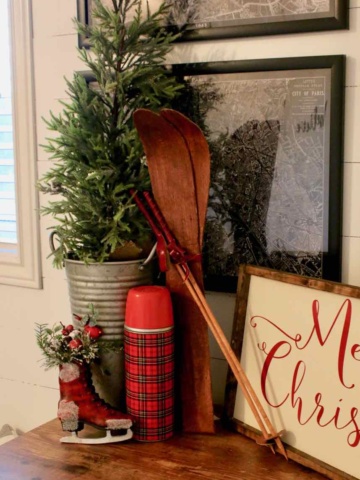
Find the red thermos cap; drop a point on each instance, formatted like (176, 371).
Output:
(148, 308)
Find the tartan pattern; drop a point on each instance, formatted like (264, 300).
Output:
(149, 380)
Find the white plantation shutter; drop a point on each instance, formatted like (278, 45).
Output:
(19, 233)
(8, 233)
(7, 185)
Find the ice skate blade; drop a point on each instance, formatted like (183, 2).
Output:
(73, 438)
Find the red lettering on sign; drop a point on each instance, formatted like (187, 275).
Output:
(314, 409)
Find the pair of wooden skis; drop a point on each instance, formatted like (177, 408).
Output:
(179, 165)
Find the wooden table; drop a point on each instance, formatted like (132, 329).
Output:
(38, 455)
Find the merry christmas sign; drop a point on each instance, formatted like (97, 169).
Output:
(300, 348)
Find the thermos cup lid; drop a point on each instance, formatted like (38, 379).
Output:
(148, 307)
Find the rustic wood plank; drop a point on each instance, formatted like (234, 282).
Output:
(314, 283)
(223, 456)
(294, 454)
(237, 336)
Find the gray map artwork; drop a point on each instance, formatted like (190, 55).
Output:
(268, 138)
(228, 11)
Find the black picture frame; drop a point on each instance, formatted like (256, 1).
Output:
(335, 18)
(84, 16)
(240, 83)
(211, 28)
(82, 7)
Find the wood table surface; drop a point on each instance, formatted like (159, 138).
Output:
(38, 455)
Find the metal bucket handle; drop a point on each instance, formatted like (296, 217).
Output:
(149, 257)
(143, 264)
(51, 240)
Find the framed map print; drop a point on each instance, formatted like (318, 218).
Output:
(211, 19)
(275, 132)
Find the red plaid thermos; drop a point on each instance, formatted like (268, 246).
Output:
(149, 362)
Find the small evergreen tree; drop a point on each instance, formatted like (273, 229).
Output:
(98, 155)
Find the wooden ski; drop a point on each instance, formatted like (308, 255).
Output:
(174, 184)
(200, 159)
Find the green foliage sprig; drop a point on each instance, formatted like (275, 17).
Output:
(97, 153)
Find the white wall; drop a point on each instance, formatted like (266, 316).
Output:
(28, 394)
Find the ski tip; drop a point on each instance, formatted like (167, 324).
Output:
(152, 126)
(191, 132)
(177, 117)
(148, 123)
(142, 115)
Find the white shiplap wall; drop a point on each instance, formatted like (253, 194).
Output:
(28, 394)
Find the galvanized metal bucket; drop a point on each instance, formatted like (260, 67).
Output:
(106, 285)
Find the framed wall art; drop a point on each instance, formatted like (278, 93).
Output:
(213, 19)
(298, 341)
(275, 131)
(84, 9)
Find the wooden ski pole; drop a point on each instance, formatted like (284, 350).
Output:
(199, 298)
(244, 383)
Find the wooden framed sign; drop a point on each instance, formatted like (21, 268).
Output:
(298, 340)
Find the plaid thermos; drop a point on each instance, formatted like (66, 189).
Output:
(149, 362)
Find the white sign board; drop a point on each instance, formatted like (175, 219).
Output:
(301, 353)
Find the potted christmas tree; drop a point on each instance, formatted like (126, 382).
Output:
(98, 158)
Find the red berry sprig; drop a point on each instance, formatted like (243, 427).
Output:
(75, 343)
(67, 330)
(94, 332)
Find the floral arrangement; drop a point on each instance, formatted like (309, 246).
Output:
(66, 344)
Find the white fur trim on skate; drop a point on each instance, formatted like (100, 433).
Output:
(73, 438)
(118, 423)
(69, 372)
(68, 413)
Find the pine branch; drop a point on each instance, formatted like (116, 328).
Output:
(96, 151)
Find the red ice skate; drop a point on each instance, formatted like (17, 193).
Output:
(79, 404)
